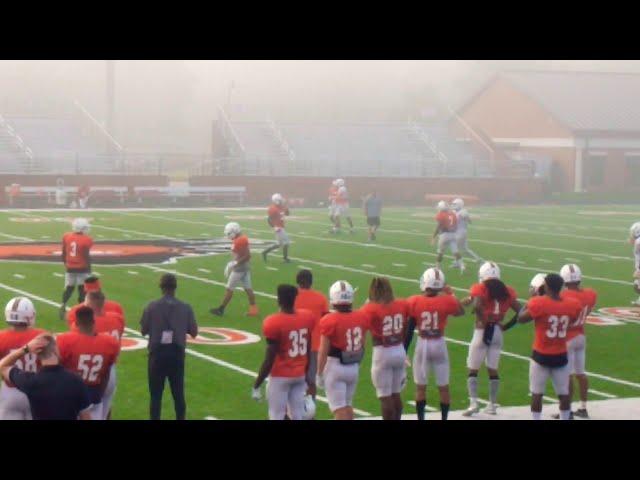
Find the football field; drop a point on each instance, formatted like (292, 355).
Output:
(221, 365)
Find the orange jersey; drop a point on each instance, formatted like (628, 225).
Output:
(493, 311)
(240, 246)
(292, 332)
(109, 306)
(110, 323)
(447, 221)
(430, 313)
(552, 319)
(11, 340)
(316, 302)
(91, 356)
(75, 251)
(276, 215)
(587, 298)
(387, 322)
(345, 331)
(333, 193)
(342, 198)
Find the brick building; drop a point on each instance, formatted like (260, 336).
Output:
(584, 125)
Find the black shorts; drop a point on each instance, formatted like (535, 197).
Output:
(373, 221)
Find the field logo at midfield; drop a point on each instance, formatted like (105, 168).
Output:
(626, 314)
(118, 252)
(223, 336)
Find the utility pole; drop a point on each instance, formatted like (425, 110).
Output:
(110, 103)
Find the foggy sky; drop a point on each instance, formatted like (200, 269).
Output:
(170, 105)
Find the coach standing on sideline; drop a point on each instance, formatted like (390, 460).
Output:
(372, 210)
(54, 393)
(167, 321)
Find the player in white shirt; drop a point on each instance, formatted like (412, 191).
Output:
(341, 207)
(461, 230)
(634, 239)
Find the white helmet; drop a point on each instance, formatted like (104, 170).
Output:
(20, 311)
(488, 270)
(536, 282)
(342, 190)
(80, 225)
(339, 182)
(277, 198)
(309, 409)
(231, 230)
(442, 206)
(571, 273)
(432, 278)
(458, 204)
(341, 293)
(635, 230)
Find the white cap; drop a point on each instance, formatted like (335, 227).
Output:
(20, 311)
(432, 278)
(488, 270)
(571, 273)
(341, 293)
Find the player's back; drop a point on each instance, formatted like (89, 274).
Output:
(552, 319)
(431, 313)
(292, 331)
(276, 214)
(387, 321)
(240, 247)
(345, 330)
(11, 340)
(587, 298)
(313, 300)
(110, 323)
(462, 219)
(493, 311)
(76, 251)
(91, 356)
(447, 221)
(109, 306)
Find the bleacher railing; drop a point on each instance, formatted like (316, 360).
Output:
(430, 143)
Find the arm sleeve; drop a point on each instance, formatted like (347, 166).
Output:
(193, 325)
(411, 328)
(327, 327)
(270, 330)
(22, 380)
(83, 399)
(144, 322)
(534, 307)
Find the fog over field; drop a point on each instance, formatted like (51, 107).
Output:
(169, 105)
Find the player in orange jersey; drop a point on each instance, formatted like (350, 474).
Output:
(20, 315)
(445, 232)
(91, 355)
(552, 315)
(93, 284)
(276, 213)
(342, 338)
(388, 320)
(315, 301)
(76, 247)
(238, 270)
(429, 313)
(288, 336)
(576, 339)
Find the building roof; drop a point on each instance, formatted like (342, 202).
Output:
(584, 101)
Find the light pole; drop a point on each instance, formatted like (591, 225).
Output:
(110, 104)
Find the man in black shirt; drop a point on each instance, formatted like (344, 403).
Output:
(54, 393)
(167, 321)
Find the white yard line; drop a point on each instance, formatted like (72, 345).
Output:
(16, 237)
(204, 270)
(20, 276)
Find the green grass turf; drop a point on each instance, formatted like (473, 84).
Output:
(523, 240)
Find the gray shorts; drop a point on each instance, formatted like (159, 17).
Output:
(14, 405)
(539, 374)
(282, 237)
(239, 279)
(286, 395)
(447, 240)
(75, 279)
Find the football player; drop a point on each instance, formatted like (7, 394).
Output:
(91, 355)
(535, 287)
(342, 338)
(315, 301)
(342, 207)
(20, 315)
(276, 213)
(446, 224)
(93, 284)
(491, 300)
(634, 239)
(333, 193)
(388, 321)
(288, 336)
(552, 315)
(429, 313)
(463, 220)
(576, 340)
(238, 270)
(111, 323)
(76, 247)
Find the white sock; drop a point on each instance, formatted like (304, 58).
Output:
(536, 415)
(565, 414)
(583, 405)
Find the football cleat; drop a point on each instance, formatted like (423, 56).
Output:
(581, 413)
(217, 311)
(253, 311)
(20, 311)
(490, 409)
(473, 409)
